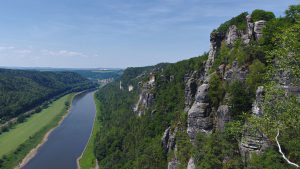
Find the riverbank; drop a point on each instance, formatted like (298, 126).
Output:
(21, 143)
(87, 160)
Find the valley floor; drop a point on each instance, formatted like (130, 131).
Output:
(22, 138)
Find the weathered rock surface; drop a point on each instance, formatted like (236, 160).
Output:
(232, 35)
(199, 116)
(215, 43)
(190, 90)
(173, 164)
(258, 28)
(147, 97)
(223, 116)
(257, 105)
(253, 140)
(191, 164)
(236, 72)
(168, 140)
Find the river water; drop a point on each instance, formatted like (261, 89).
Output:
(66, 143)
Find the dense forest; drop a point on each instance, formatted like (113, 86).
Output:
(22, 90)
(233, 107)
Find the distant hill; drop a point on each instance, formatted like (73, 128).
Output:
(90, 73)
(22, 90)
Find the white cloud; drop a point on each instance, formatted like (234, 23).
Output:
(63, 53)
(4, 48)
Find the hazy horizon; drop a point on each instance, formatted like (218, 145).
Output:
(113, 33)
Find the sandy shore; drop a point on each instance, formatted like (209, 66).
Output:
(34, 151)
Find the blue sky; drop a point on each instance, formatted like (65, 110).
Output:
(113, 33)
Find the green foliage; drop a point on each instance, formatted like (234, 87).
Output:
(268, 160)
(256, 75)
(216, 151)
(22, 90)
(239, 21)
(184, 148)
(128, 141)
(240, 99)
(259, 14)
(293, 13)
(21, 139)
(281, 108)
(216, 91)
(239, 53)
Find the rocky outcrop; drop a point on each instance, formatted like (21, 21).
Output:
(191, 164)
(190, 90)
(215, 43)
(257, 105)
(168, 140)
(223, 116)
(199, 116)
(250, 29)
(130, 88)
(253, 140)
(121, 87)
(253, 31)
(236, 72)
(258, 28)
(147, 96)
(173, 164)
(232, 35)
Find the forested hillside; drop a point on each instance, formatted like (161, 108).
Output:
(22, 90)
(234, 107)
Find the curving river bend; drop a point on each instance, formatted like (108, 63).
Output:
(66, 143)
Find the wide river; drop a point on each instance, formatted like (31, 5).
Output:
(66, 143)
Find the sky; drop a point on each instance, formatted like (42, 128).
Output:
(114, 33)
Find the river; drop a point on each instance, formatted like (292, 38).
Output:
(66, 143)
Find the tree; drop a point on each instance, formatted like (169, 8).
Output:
(293, 12)
(259, 14)
(281, 108)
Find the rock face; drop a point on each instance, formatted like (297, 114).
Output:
(215, 43)
(236, 72)
(223, 116)
(191, 164)
(173, 164)
(253, 140)
(254, 31)
(190, 90)
(199, 116)
(168, 140)
(232, 35)
(146, 98)
(257, 105)
(258, 28)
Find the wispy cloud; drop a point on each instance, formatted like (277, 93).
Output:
(63, 53)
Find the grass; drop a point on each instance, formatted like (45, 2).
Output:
(88, 159)
(17, 143)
